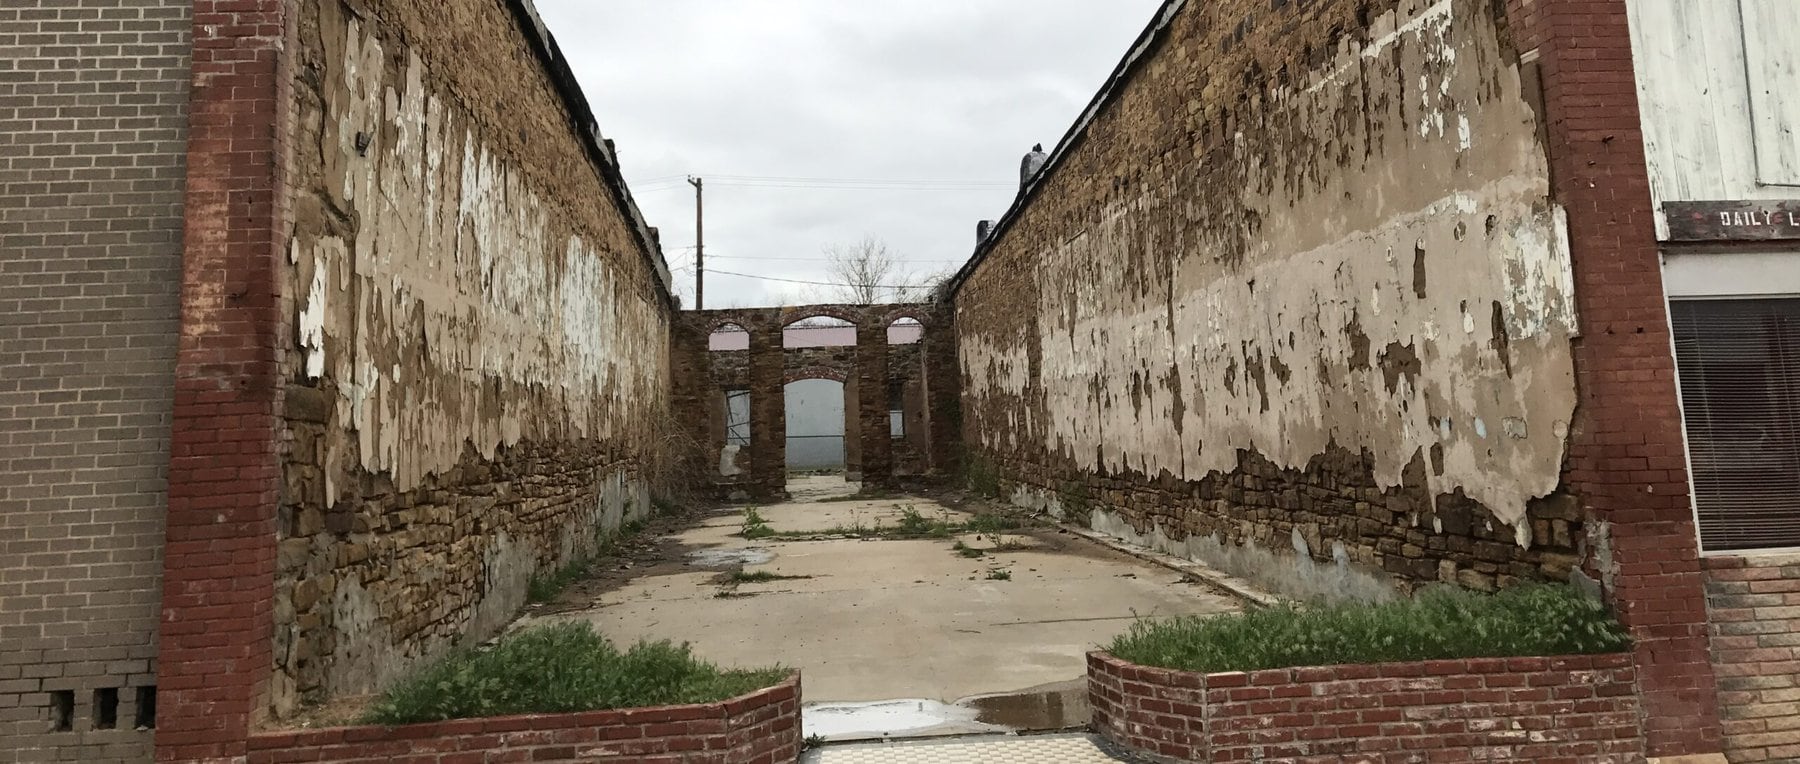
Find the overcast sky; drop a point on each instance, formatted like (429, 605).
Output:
(948, 91)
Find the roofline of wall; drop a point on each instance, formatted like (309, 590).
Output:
(581, 117)
(1128, 67)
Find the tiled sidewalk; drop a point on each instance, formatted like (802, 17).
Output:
(1046, 749)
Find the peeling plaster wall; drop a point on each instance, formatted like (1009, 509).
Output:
(481, 360)
(1308, 236)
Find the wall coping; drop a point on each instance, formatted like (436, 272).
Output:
(1342, 671)
(285, 739)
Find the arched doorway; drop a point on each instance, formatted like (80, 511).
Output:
(815, 425)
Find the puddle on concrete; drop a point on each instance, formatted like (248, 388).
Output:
(729, 558)
(890, 718)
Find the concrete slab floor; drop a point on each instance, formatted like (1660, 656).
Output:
(882, 619)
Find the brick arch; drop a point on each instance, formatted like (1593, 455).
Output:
(815, 372)
(792, 315)
(919, 313)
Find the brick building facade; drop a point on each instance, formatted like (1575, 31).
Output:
(1352, 297)
(311, 355)
(91, 179)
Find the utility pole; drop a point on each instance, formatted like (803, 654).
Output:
(699, 243)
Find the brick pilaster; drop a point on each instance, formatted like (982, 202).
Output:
(1627, 457)
(768, 410)
(224, 468)
(872, 403)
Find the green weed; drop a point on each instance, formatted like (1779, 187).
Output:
(761, 577)
(755, 527)
(563, 668)
(1439, 623)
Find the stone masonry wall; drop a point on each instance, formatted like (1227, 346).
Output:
(1754, 603)
(93, 147)
(479, 370)
(1298, 302)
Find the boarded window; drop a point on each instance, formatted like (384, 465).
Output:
(1739, 365)
(737, 417)
(1772, 62)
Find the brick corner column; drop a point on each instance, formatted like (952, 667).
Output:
(875, 432)
(943, 388)
(216, 627)
(1627, 458)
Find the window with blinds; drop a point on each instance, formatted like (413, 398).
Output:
(1739, 365)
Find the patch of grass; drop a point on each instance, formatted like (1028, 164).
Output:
(981, 476)
(991, 523)
(999, 574)
(1439, 623)
(563, 668)
(755, 527)
(733, 594)
(913, 525)
(761, 577)
(812, 741)
(967, 551)
(547, 585)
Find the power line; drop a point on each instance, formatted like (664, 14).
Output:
(821, 259)
(838, 184)
(818, 283)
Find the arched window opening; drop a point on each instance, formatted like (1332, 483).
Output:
(905, 331)
(819, 332)
(729, 337)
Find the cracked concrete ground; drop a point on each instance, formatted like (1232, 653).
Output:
(885, 619)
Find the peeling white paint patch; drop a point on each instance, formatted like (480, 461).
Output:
(1155, 353)
(463, 310)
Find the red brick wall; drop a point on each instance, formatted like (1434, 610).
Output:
(219, 558)
(1755, 608)
(760, 728)
(1568, 709)
(1627, 458)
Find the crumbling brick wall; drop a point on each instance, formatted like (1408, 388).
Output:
(872, 370)
(92, 164)
(1298, 302)
(478, 377)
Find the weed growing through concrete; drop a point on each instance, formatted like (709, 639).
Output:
(992, 523)
(812, 741)
(1440, 623)
(999, 574)
(967, 551)
(761, 577)
(755, 527)
(563, 668)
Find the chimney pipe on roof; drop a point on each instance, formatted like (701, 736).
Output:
(1033, 162)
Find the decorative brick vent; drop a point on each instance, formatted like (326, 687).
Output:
(762, 727)
(1566, 709)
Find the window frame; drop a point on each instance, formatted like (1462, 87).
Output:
(1714, 277)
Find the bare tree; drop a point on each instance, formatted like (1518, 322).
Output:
(868, 272)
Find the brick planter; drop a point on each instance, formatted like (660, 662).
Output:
(762, 727)
(1567, 709)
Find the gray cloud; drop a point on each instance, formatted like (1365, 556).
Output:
(928, 89)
